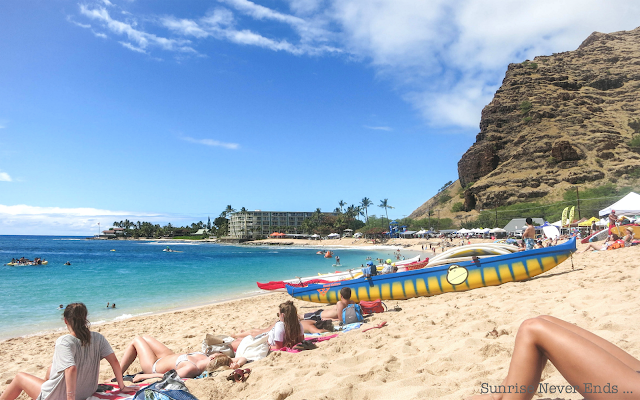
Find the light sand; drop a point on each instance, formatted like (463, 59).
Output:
(435, 348)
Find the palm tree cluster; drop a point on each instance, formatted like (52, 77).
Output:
(150, 230)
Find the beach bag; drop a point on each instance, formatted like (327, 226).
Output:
(171, 387)
(370, 307)
(253, 348)
(217, 344)
(351, 314)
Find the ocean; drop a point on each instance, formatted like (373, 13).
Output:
(142, 279)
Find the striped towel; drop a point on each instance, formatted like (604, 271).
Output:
(115, 394)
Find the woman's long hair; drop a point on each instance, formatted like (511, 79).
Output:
(76, 316)
(292, 331)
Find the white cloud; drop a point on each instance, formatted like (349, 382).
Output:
(211, 142)
(140, 39)
(4, 177)
(29, 220)
(100, 35)
(132, 47)
(379, 128)
(445, 57)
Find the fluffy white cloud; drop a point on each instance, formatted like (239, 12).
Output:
(445, 57)
(211, 142)
(139, 40)
(4, 177)
(31, 220)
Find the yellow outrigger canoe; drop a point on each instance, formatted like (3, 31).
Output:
(430, 281)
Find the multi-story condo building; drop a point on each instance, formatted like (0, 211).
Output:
(260, 224)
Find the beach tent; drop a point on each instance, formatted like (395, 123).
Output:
(629, 205)
(463, 231)
(333, 236)
(497, 230)
(589, 221)
(520, 224)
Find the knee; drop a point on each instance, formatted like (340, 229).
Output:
(532, 328)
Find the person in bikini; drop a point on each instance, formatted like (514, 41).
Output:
(156, 359)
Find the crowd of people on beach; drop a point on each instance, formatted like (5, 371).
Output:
(579, 355)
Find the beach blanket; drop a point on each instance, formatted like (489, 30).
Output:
(115, 394)
(350, 327)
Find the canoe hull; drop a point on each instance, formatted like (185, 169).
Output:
(458, 277)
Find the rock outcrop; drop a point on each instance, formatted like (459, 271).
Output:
(556, 121)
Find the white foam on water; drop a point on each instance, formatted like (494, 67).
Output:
(123, 317)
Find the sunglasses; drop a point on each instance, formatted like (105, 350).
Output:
(239, 375)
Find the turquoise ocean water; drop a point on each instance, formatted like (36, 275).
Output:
(140, 278)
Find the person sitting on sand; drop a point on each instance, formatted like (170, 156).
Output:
(286, 332)
(75, 367)
(579, 355)
(594, 246)
(628, 237)
(335, 313)
(156, 359)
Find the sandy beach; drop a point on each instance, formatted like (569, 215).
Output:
(435, 348)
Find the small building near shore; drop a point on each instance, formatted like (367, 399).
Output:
(520, 224)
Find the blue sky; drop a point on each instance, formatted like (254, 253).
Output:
(167, 111)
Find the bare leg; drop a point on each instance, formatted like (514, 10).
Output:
(583, 363)
(253, 332)
(29, 383)
(147, 349)
(609, 347)
(310, 326)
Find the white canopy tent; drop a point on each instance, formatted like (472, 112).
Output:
(628, 205)
(497, 230)
(333, 236)
(463, 230)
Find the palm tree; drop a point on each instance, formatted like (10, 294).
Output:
(365, 203)
(228, 211)
(342, 204)
(244, 212)
(385, 204)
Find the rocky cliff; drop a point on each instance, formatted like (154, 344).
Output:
(557, 121)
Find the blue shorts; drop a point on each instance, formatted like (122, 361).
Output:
(529, 243)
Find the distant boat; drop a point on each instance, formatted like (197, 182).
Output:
(27, 264)
(452, 277)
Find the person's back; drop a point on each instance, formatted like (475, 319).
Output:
(345, 300)
(529, 235)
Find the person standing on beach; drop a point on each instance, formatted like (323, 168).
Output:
(529, 235)
(612, 220)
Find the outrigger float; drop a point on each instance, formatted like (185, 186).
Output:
(452, 277)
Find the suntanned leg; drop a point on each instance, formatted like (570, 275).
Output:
(609, 347)
(253, 332)
(310, 326)
(141, 348)
(578, 359)
(23, 381)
